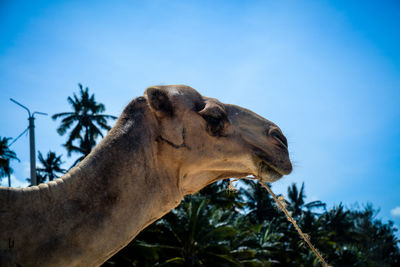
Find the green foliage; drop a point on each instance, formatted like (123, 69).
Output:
(51, 167)
(6, 155)
(219, 227)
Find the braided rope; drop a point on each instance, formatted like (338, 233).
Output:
(279, 202)
(305, 237)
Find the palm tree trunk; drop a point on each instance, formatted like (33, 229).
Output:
(9, 180)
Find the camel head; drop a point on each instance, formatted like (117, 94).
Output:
(204, 140)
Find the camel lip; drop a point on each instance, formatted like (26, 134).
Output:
(268, 173)
(275, 167)
(272, 168)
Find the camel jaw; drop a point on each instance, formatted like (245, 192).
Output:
(268, 173)
(271, 168)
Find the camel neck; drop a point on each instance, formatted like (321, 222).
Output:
(122, 197)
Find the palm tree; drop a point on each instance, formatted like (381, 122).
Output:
(84, 147)
(377, 241)
(51, 166)
(40, 178)
(219, 195)
(296, 200)
(86, 120)
(6, 155)
(259, 203)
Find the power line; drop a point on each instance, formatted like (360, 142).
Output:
(15, 140)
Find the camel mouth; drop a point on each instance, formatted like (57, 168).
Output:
(271, 169)
(268, 173)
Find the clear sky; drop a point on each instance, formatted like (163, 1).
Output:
(327, 72)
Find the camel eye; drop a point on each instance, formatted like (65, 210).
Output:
(213, 121)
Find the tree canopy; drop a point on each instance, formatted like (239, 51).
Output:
(6, 155)
(51, 166)
(218, 227)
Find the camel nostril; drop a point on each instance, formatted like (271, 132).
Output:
(277, 134)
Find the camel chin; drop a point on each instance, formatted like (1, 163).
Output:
(268, 173)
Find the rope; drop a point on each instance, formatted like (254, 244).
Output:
(305, 237)
(281, 205)
(15, 140)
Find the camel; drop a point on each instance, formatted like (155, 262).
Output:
(166, 144)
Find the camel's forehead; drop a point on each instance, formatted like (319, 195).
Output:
(179, 90)
(182, 95)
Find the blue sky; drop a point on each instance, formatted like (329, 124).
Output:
(327, 72)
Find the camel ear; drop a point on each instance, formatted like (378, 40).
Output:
(215, 116)
(159, 101)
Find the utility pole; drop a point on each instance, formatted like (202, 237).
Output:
(9, 180)
(31, 127)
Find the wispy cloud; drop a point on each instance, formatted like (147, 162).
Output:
(4, 180)
(27, 168)
(19, 183)
(395, 212)
(14, 182)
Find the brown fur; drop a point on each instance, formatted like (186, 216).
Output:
(167, 144)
